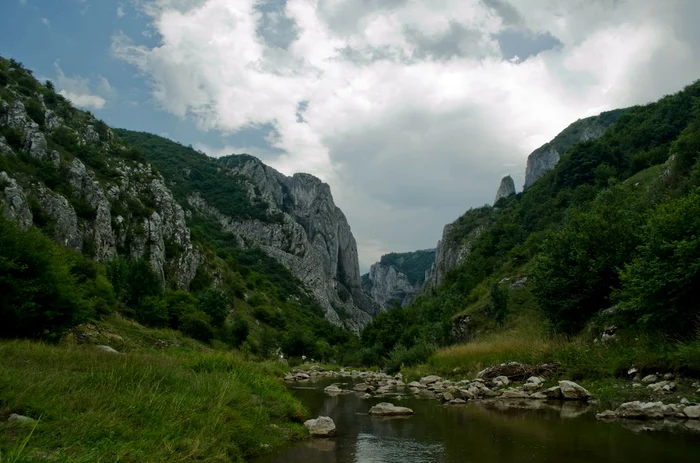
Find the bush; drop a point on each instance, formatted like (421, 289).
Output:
(239, 330)
(659, 287)
(39, 296)
(214, 303)
(196, 325)
(402, 357)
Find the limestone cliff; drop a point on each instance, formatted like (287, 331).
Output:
(397, 277)
(544, 158)
(69, 175)
(305, 231)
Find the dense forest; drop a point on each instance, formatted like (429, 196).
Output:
(610, 236)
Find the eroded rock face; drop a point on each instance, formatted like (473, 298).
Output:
(505, 189)
(311, 238)
(544, 158)
(79, 211)
(389, 285)
(17, 207)
(450, 254)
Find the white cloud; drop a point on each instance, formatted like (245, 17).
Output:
(46, 22)
(120, 11)
(87, 93)
(413, 114)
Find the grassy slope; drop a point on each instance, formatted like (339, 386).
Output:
(166, 397)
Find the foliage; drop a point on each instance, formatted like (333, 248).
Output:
(659, 287)
(40, 293)
(196, 325)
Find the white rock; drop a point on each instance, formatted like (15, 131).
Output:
(107, 349)
(389, 409)
(650, 379)
(20, 419)
(322, 426)
(572, 391)
(642, 410)
(692, 412)
(430, 379)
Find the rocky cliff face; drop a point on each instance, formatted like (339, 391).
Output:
(505, 189)
(544, 158)
(306, 232)
(68, 175)
(396, 278)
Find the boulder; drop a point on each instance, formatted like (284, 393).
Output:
(572, 391)
(333, 389)
(553, 392)
(457, 402)
(500, 381)
(389, 409)
(107, 349)
(514, 394)
(363, 387)
(20, 419)
(692, 412)
(650, 379)
(446, 397)
(430, 380)
(415, 384)
(322, 426)
(641, 410)
(535, 380)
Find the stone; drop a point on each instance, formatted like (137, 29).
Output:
(539, 396)
(15, 201)
(670, 387)
(572, 391)
(606, 415)
(650, 379)
(107, 349)
(389, 409)
(367, 396)
(457, 402)
(632, 371)
(322, 426)
(657, 387)
(535, 380)
(415, 384)
(363, 387)
(427, 380)
(514, 394)
(20, 419)
(641, 410)
(333, 390)
(500, 381)
(446, 397)
(692, 412)
(553, 392)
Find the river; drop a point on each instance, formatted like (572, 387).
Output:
(475, 434)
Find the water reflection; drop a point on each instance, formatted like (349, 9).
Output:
(474, 434)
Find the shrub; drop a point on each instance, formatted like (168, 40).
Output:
(214, 303)
(196, 325)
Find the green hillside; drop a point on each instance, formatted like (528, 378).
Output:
(609, 237)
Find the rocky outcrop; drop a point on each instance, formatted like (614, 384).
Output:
(451, 252)
(307, 233)
(17, 207)
(505, 189)
(544, 158)
(76, 206)
(397, 277)
(389, 286)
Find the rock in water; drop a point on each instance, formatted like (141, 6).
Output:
(388, 409)
(506, 189)
(572, 391)
(322, 426)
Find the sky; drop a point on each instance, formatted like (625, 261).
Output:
(411, 110)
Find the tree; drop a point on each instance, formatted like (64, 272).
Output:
(660, 286)
(577, 267)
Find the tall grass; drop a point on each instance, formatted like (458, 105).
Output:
(143, 406)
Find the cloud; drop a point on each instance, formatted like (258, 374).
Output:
(87, 93)
(412, 111)
(120, 11)
(46, 22)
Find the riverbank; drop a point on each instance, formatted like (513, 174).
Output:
(162, 397)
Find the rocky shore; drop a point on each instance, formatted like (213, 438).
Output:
(509, 386)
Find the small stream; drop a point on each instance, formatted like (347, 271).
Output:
(474, 434)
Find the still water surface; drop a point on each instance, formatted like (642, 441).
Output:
(448, 434)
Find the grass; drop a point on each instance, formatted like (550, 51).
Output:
(153, 404)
